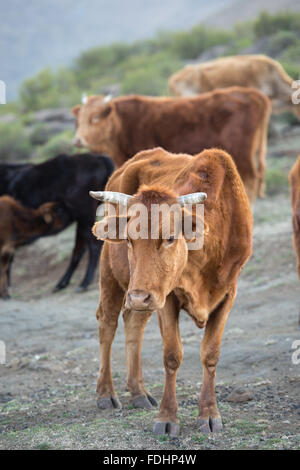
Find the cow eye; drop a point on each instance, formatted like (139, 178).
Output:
(95, 119)
(170, 241)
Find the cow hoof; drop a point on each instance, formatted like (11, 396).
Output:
(163, 427)
(80, 289)
(5, 297)
(210, 425)
(144, 401)
(106, 403)
(58, 288)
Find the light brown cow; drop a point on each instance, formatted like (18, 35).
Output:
(294, 178)
(20, 225)
(257, 71)
(234, 120)
(141, 276)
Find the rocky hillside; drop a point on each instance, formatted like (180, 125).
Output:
(240, 10)
(52, 33)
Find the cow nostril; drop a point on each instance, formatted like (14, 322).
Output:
(139, 299)
(77, 142)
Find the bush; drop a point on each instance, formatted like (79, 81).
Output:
(268, 24)
(292, 55)
(148, 74)
(39, 135)
(14, 142)
(190, 44)
(49, 90)
(61, 143)
(280, 41)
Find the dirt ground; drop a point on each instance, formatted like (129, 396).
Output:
(47, 387)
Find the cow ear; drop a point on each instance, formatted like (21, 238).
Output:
(75, 110)
(193, 227)
(111, 229)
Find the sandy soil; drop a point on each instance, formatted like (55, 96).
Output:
(47, 387)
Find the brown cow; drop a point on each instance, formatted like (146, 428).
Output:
(294, 178)
(19, 225)
(257, 71)
(234, 119)
(141, 276)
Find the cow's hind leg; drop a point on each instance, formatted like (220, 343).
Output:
(94, 247)
(107, 315)
(209, 419)
(167, 421)
(78, 252)
(135, 323)
(6, 257)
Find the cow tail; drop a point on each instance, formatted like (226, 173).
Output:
(262, 148)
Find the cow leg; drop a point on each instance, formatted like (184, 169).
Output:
(78, 251)
(94, 247)
(107, 315)
(251, 187)
(135, 323)
(9, 270)
(5, 262)
(209, 419)
(167, 421)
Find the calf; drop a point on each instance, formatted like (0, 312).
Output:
(20, 225)
(141, 275)
(294, 178)
(256, 71)
(235, 120)
(66, 179)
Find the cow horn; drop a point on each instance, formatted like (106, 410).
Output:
(84, 98)
(107, 98)
(111, 196)
(192, 198)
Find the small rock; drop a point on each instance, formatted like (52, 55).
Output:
(240, 395)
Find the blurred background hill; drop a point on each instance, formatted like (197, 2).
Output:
(40, 33)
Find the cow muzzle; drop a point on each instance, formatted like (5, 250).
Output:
(139, 300)
(78, 142)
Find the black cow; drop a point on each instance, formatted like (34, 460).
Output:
(66, 179)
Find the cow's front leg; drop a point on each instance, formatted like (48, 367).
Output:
(209, 419)
(107, 315)
(135, 323)
(167, 421)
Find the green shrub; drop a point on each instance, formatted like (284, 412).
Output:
(39, 135)
(148, 74)
(292, 55)
(61, 143)
(268, 24)
(14, 142)
(190, 44)
(49, 90)
(280, 41)
(100, 61)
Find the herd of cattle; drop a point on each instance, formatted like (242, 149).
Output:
(163, 148)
